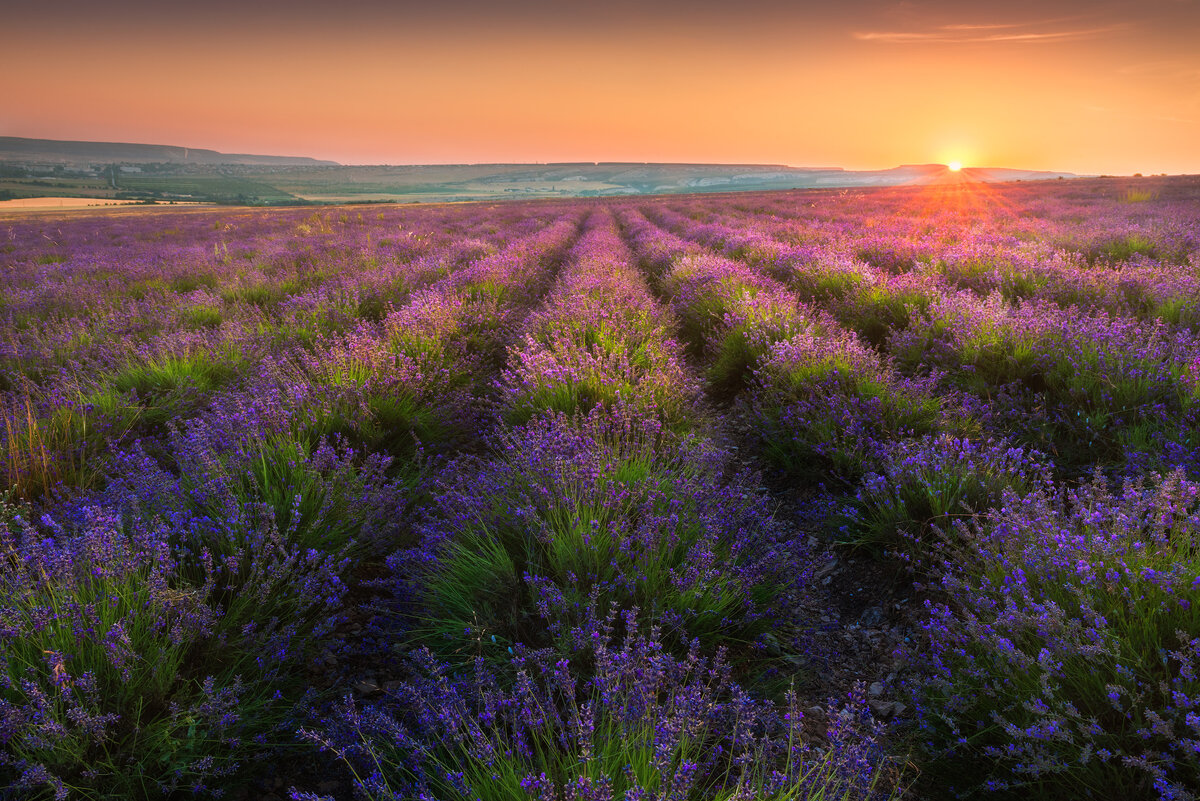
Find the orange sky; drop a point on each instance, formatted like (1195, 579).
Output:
(1086, 87)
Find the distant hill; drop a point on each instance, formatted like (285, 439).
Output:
(920, 174)
(49, 151)
(44, 167)
(601, 179)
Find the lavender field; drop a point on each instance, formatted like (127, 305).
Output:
(860, 494)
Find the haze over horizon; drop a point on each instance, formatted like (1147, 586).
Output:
(1062, 85)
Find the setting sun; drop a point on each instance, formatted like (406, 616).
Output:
(955, 166)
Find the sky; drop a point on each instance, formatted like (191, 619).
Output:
(1088, 87)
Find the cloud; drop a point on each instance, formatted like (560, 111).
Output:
(999, 33)
(1130, 113)
(1179, 70)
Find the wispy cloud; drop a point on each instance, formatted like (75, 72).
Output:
(1182, 70)
(1015, 32)
(1130, 113)
(995, 26)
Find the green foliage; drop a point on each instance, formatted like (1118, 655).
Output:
(887, 259)
(580, 393)
(824, 430)
(824, 287)
(525, 544)
(1120, 249)
(190, 282)
(199, 317)
(265, 295)
(140, 290)
(926, 485)
(142, 683)
(700, 319)
(736, 356)
(875, 312)
(1067, 667)
(42, 451)
(170, 386)
(400, 424)
(1180, 311)
(316, 502)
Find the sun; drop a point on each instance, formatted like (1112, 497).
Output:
(955, 166)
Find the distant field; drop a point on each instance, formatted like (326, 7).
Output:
(300, 184)
(219, 187)
(51, 204)
(35, 187)
(40, 203)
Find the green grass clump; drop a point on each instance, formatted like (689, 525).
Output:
(200, 317)
(401, 423)
(875, 312)
(570, 518)
(123, 679)
(927, 485)
(576, 372)
(1139, 195)
(1120, 249)
(823, 286)
(170, 388)
(45, 449)
(580, 393)
(190, 282)
(321, 498)
(886, 258)
(172, 374)
(262, 295)
(1180, 311)
(737, 353)
(750, 326)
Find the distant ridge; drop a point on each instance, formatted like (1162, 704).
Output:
(16, 148)
(122, 170)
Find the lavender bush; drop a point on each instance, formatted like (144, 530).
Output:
(827, 407)
(126, 676)
(607, 509)
(1067, 660)
(928, 485)
(647, 725)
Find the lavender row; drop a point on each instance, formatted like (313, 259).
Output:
(600, 339)
(605, 489)
(1086, 386)
(121, 368)
(605, 556)
(1117, 258)
(823, 405)
(871, 290)
(155, 633)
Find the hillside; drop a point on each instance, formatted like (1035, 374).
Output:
(40, 167)
(19, 149)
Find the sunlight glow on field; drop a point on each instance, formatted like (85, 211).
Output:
(955, 166)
